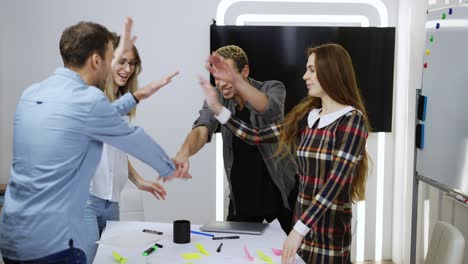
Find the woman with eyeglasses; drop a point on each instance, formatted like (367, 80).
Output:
(114, 168)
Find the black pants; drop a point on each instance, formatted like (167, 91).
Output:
(284, 215)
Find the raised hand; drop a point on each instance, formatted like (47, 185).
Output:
(211, 97)
(154, 86)
(221, 70)
(126, 41)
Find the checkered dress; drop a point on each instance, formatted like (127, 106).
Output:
(327, 161)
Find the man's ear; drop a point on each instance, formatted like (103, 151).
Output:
(96, 60)
(245, 71)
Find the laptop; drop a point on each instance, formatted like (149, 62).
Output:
(235, 227)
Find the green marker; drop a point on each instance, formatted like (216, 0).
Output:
(443, 15)
(431, 38)
(150, 250)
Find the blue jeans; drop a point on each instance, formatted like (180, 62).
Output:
(97, 212)
(71, 255)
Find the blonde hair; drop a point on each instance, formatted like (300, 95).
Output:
(335, 73)
(132, 82)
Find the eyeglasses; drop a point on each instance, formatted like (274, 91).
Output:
(122, 64)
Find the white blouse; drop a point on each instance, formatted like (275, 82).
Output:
(111, 174)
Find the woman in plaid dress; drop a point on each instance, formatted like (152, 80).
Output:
(327, 131)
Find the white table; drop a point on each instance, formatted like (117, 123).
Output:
(232, 249)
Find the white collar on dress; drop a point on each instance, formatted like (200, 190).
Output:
(327, 119)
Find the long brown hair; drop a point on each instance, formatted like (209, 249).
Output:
(335, 74)
(132, 82)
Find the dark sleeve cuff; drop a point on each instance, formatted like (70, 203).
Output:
(134, 97)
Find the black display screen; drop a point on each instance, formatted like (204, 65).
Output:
(279, 53)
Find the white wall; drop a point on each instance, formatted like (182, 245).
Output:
(172, 35)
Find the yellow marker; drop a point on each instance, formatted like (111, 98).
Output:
(189, 256)
(428, 51)
(264, 257)
(202, 249)
(119, 258)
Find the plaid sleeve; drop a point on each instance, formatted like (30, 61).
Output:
(207, 119)
(251, 135)
(351, 137)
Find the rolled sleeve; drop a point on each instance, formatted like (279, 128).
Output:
(206, 119)
(276, 94)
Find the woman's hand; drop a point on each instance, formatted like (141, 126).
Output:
(157, 190)
(290, 247)
(154, 86)
(211, 97)
(126, 41)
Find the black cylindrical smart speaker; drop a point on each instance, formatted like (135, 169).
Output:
(181, 231)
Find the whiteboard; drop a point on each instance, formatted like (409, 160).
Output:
(444, 157)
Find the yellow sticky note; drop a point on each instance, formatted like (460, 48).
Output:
(119, 258)
(201, 249)
(264, 257)
(189, 256)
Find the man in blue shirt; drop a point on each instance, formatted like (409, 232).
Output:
(60, 125)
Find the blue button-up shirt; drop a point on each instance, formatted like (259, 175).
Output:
(60, 125)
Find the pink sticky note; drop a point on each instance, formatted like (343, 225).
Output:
(249, 257)
(277, 252)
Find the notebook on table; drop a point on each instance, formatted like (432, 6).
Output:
(235, 227)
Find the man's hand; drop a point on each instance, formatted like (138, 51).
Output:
(211, 97)
(221, 70)
(154, 188)
(154, 86)
(176, 174)
(290, 247)
(182, 163)
(126, 41)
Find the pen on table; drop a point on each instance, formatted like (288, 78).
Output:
(152, 232)
(201, 233)
(219, 248)
(150, 250)
(226, 237)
